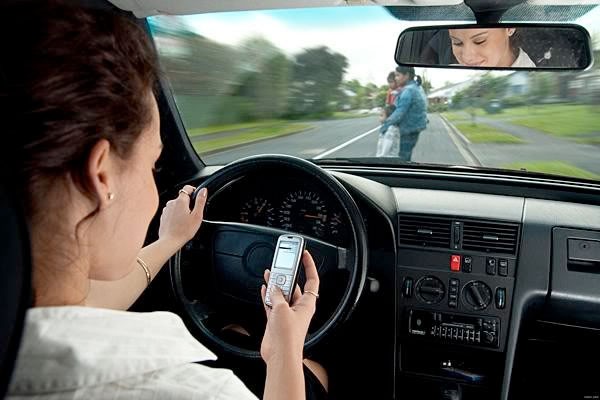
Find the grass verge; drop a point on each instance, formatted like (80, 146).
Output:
(482, 133)
(249, 136)
(555, 168)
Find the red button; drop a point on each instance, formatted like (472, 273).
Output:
(455, 262)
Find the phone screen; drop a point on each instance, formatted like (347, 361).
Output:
(286, 255)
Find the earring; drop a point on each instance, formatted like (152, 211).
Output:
(110, 196)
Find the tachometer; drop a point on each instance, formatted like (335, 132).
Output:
(304, 212)
(335, 224)
(257, 211)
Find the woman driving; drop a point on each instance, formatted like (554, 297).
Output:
(82, 126)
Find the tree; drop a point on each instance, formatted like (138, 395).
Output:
(426, 83)
(264, 78)
(317, 75)
(480, 92)
(380, 97)
(542, 85)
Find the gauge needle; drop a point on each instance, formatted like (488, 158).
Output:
(261, 207)
(313, 216)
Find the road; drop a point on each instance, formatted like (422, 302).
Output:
(538, 146)
(355, 137)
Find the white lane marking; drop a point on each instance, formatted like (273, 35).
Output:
(349, 142)
(313, 151)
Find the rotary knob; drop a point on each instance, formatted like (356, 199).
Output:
(477, 295)
(430, 290)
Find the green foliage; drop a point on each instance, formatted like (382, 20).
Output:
(514, 101)
(480, 92)
(542, 85)
(380, 97)
(317, 74)
(438, 108)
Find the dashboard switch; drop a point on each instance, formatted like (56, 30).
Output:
(503, 267)
(500, 298)
(467, 264)
(455, 262)
(407, 287)
(490, 266)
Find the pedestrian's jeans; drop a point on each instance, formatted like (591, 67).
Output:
(407, 144)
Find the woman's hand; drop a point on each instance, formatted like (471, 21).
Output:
(287, 325)
(178, 224)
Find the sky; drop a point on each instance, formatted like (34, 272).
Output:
(365, 35)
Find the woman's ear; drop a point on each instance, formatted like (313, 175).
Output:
(100, 171)
(510, 31)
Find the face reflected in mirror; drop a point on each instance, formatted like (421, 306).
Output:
(488, 47)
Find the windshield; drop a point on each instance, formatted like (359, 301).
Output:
(322, 84)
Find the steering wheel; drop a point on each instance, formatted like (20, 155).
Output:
(236, 254)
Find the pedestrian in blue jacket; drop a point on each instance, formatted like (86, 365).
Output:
(411, 111)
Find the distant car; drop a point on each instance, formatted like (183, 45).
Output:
(494, 106)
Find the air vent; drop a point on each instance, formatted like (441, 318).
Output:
(490, 237)
(424, 231)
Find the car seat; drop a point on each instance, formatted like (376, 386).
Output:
(15, 282)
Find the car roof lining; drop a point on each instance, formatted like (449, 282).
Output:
(425, 10)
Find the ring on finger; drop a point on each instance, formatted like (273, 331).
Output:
(184, 192)
(313, 293)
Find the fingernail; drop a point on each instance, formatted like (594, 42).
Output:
(203, 192)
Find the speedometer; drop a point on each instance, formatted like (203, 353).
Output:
(257, 211)
(304, 212)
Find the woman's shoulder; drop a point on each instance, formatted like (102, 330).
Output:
(523, 60)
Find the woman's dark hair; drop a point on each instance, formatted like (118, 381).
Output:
(68, 78)
(515, 42)
(410, 71)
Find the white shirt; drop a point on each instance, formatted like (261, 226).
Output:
(523, 61)
(93, 353)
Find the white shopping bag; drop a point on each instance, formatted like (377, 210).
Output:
(388, 144)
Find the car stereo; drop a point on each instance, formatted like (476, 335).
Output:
(454, 328)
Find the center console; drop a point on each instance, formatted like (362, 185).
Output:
(454, 285)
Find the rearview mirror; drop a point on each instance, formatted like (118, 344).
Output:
(499, 46)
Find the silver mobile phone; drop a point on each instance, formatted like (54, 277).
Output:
(285, 266)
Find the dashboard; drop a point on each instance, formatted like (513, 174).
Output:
(281, 201)
(456, 280)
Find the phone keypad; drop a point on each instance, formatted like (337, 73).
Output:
(283, 282)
